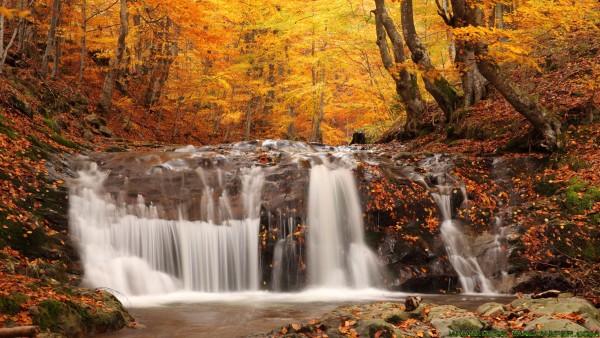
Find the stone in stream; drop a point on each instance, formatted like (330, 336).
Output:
(491, 309)
(448, 318)
(569, 306)
(387, 319)
(412, 302)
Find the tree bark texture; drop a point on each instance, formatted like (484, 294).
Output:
(441, 90)
(544, 123)
(19, 331)
(105, 102)
(51, 40)
(57, 52)
(83, 45)
(160, 73)
(5, 48)
(473, 83)
(406, 82)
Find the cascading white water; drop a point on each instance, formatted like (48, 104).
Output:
(338, 255)
(470, 274)
(285, 259)
(142, 248)
(140, 254)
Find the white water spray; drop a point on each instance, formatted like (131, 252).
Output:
(135, 249)
(338, 255)
(141, 254)
(470, 274)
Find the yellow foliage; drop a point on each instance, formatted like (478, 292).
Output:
(12, 13)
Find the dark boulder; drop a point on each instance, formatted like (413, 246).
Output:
(358, 138)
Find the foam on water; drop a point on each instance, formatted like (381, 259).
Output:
(130, 248)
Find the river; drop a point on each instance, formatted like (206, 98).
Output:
(244, 315)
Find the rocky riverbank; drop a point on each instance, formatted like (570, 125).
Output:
(562, 316)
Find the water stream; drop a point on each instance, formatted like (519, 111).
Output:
(268, 232)
(210, 243)
(470, 268)
(470, 274)
(247, 317)
(338, 255)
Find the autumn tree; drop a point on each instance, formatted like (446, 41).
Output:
(544, 123)
(105, 102)
(435, 83)
(473, 83)
(164, 51)
(51, 42)
(9, 19)
(406, 81)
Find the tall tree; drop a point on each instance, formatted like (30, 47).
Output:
(51, 40)
(105, 102)
(406, 82)
(165, 55)
(544, 123)
(435, 83)
(473, 83)
(7, 15)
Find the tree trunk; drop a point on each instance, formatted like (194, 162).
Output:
(473, 82)
(105, 102)
(406, 82)
(291, 132)
(4, 48)
(545, 124)
(22, 28)
(56, 56)
(56, 7)
(83, 44)
(248, 124)
(320, 107)
(167, 52)
(441, 90)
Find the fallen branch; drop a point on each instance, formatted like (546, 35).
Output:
(19, 331)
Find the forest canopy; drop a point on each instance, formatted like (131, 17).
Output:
(219, 71)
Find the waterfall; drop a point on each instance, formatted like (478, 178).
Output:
(140, 254)
(164, 222)
(338, 255)
(470, 274)
(470, 268)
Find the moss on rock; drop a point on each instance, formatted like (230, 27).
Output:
(73, 318)
(11, 304)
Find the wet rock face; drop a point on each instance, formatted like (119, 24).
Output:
(183, 179)
(401, 217)
(402, 220)
(76, 319)
(210, 184)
